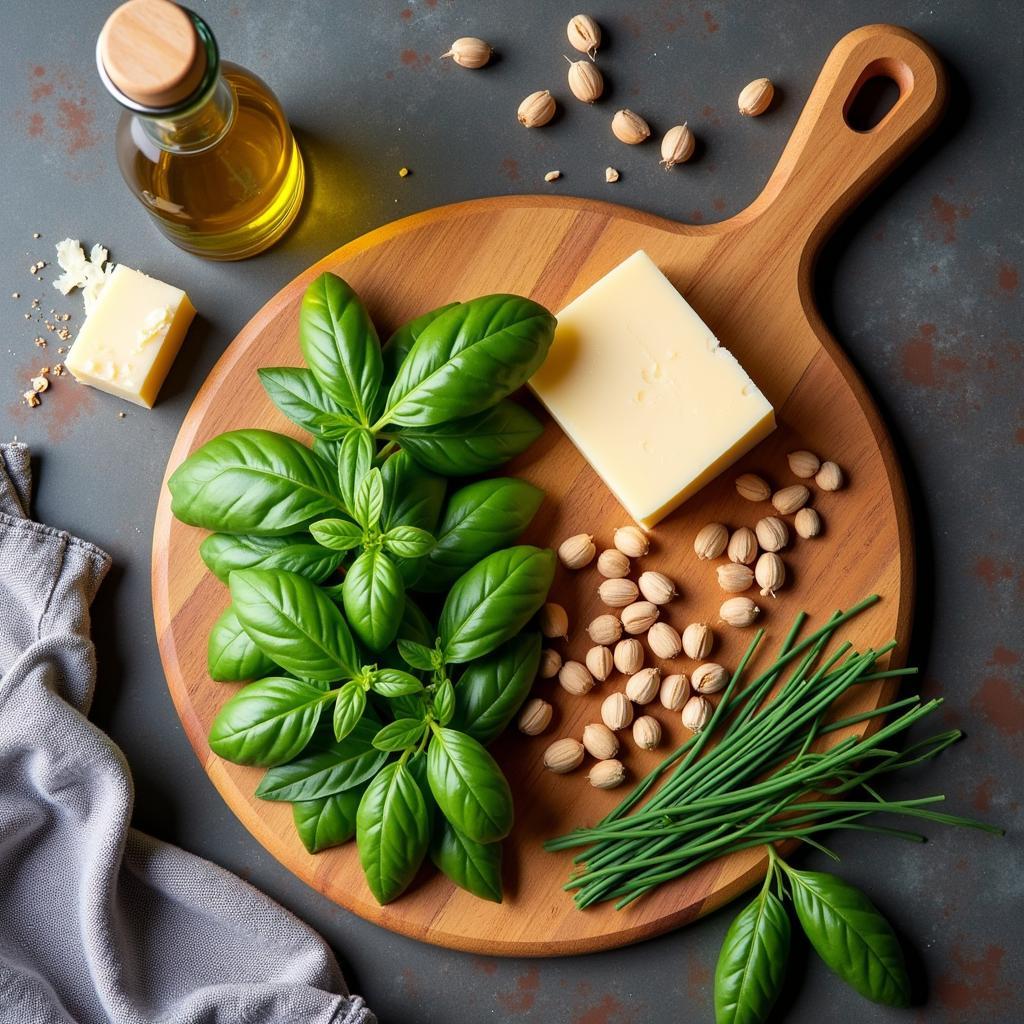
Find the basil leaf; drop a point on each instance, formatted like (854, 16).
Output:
(348, 708)
(468, 786)
(408, 541)
(294, 623)
(444, 702)
(412, 497)
(475, 444)
(480, 518)
(416, 655)
(401, 734)
(392, 682)
(231, 655)
(493, 601)
(295, 392)
(368, 502)
(326, 450)
(355, 457)
(331, 768)
(752, 963)
(491, 690)
(223, 553)
(397, 347)
(251, 481)
(392, 831)
(340, 345)
(470, 358)
(475, 867)
(373, 594)
(337, 534)
(328, 821)
(267, 722)
(851, 936)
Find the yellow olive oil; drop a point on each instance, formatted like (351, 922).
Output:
(218, 170)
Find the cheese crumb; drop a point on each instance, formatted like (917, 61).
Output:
(31, 398)
(91, 275)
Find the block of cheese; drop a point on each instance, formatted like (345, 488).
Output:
(131, 336)
(646, 392)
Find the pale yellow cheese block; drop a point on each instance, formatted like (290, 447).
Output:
(129, 340)
(646, 392)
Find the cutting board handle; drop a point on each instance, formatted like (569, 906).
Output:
(827, 166)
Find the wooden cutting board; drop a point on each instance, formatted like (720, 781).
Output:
(750, 279)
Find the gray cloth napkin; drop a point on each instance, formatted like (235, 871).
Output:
(99, 923)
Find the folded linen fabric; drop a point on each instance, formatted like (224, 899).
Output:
(98, 922)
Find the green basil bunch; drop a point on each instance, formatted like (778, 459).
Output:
(841, 923)
(371, 716)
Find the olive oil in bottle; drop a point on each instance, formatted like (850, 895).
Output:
(203, 144)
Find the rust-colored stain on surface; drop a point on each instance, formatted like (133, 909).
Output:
(415, 61)
(510, 168)
(36, 124)
(945, 217)
(974, 984)
(75, 118)
(57, 97)
(1008, 279)
(1002, 703)
(608, 1011)
(485, 966)
(406, 14)
(981, 800)
(1004, 656)
(709, 22)
(990, 572)
(524, 995)
(923, 366)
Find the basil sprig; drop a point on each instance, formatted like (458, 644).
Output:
(371, 717)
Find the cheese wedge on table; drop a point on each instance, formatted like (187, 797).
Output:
(131, 336)
(646, 392)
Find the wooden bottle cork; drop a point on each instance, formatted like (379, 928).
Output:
(151, 51)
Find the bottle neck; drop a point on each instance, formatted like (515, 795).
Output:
(202, 125)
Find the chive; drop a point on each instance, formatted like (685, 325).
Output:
(763, 781)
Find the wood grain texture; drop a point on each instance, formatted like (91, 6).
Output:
(750, 279)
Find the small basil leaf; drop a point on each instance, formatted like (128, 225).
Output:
(493, 601)
(337, 534)
(480, 518)
(475, 867)
(355, 457)
(251, 481)
(444, 702)
(340, 344)
(295, 392)
(267, 722)
(401, 734)
(752, 963)
(348, 708)
(408, 541)
(416, 655)
(328, 821)
(374, 594)
(294, 623)
(468, 786)
(231, 656)
(392, 831)
(223, 553)
(397, 347)
(412, 497)
(330, 768)
(392, 682)
(369, 500)
(492, 689)
(475, 444)
(851, 936)
(470, 358)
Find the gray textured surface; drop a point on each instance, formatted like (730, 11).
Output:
(921, 288)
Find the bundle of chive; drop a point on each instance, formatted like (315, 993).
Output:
(762, 782)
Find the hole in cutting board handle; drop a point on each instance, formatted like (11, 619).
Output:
(881, 87)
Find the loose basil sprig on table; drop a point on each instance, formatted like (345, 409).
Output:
(370, 718)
